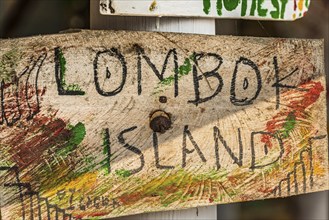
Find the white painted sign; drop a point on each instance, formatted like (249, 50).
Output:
(244, 9)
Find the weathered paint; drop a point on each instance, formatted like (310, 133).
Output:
(95, 156)
(244, 9)
(70, 87)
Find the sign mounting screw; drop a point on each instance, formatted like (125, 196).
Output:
(160, 121)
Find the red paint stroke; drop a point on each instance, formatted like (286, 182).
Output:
(132, 198)
(29, 139)
(28, 146)
(96, 214)
(295, 5)
(296, 107)
(21, 103)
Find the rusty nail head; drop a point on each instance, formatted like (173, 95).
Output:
(163, 99)
(160, 121)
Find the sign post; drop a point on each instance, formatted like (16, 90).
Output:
(242, 9)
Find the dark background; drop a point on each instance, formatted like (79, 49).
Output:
(19, 18)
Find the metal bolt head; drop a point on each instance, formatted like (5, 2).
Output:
(163, 99)
(160, 121)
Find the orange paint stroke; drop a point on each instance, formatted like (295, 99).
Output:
(296, 107)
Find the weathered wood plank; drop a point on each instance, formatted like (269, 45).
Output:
(245, 9)
(242, 119)
(164, 24)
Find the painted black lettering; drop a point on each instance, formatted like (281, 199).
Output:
(71, 207)
(16, 114)
(310, 142)
(113, 52)
(89, 202)
(253, 156)
(141, 54)
(132, 149)
(107, 149)
(61, 194)
(245, 100)
(156, 154)
(115, 204)
(105, 201)
(97, 202)
(213, 73)
(278, 85)
(81, 205)
(218, 136)
(60, 75)
(37, 65)
(17, 95)
(195, 145)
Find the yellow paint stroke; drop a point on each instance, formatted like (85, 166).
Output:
(86, 181)
(300, 5)
(319, 170)
(153, 6)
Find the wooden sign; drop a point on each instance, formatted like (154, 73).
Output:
(99, 124)
(245, 9)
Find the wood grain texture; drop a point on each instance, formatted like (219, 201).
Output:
(178, 25)
(247, 118)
